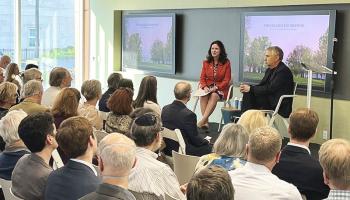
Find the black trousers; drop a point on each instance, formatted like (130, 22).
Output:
(251, 101)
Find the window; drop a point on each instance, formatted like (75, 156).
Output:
(7, 39)
(32, 37)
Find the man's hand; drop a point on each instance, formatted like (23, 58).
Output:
(244, 88)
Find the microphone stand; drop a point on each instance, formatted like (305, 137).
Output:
(332, 93)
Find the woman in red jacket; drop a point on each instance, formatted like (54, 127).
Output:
(215, 79)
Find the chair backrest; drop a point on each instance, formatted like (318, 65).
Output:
(57, 161)
(146, 196)
(303, 197)
(229, 96)
(295, 87)
(6, 189)
(177, 137)
(184, 166)
(168, 197)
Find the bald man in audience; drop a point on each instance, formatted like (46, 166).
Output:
(334, 156)
(296, 165)
(4, 61)
(177, 116)
(117, 156)
(255, 180)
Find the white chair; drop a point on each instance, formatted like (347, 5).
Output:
(57, 161)
(6, 189)
(145, 196)
(184, 166)
(177, 137)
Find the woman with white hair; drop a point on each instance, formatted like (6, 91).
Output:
(15, 147)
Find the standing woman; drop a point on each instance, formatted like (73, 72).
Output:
(147, 96)
(215, 79)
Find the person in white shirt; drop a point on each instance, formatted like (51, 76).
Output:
(59, 78)
(255, 180)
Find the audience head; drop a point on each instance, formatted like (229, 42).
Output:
(113, 80)
(264, 145)
(75, 136)
(182, 91)
(335, 161)
(212, 182)
(66, 103)
(33, 88)
(252, 119)
(145, 131)
(4, 61)
(60, 77)
(120, 101)
(91, 89)
(8, 94)
(38, 131)
(147, 91)
(137, 112)
(232, 141)
(12, 70)
(273, 56)
(31, 66)
(9, 126)
(2, 74)
(117, 155)
(276, 50)
(126, 83)
(303, 124)
(31, 74)
(222, 55)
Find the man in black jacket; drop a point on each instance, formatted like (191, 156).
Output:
(278, 81)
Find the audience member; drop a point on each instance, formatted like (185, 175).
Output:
(31, 66)
(15, 147)
(177, 116)
(11, 75)
(59, 78)
(118, 120)
(31, 74)
(151, 176)
(296, 165)
(117, 156)
(137, 112)
(2, 74)
(228, 150)
(29, 177)
(32, 93)
(252, 119)
(147, 96)
(78, 177)
(335, 161)
(126, 83)
(113, 84)
(210, 183)
(254, 180)
(91, 90)
(4, 61)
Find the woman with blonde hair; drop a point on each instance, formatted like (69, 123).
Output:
(12, 75)
(253, 119)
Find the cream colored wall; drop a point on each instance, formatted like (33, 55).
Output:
(106, 50)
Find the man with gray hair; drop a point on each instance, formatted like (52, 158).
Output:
(31, 74)
(335, 161)
(59, 78)
(4, 61)
(255, 180)
(177, 116)
(117, 156)
(32, 94)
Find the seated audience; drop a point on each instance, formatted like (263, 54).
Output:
(118, 120)
(15, 147)
(228, 149)
(2, 75)
(254, 180)
(117, 156)
(32, 74)
(126, 83)
(296, 165)
(335, 161)
(210, 183)
(113, 84)
(151, 176)
(252, 119)
(4, 61)
(137, 112)
(12, 75)
(91, 90)
(177, 116)
(147, 96)
(29, 177)
(78, 177)
(59, 78)
(32, 92)
(31, 66)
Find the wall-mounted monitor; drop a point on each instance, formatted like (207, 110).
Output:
(148, 42)
(304, 36)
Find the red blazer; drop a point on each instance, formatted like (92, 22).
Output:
(223, 76)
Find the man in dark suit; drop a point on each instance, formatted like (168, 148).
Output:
(177, 116)
(278, 81)
(78, 177)
(296, 165)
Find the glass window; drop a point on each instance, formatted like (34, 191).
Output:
(7, 21)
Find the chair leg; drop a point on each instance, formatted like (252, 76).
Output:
(220, 124)
(195, 104)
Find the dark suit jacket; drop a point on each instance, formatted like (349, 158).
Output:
(102, 104)
(71, 182)
(298, 167)
(276, 82)
(107, 191)
(178, 116)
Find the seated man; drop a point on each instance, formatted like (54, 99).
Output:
(151, 176)
(277, 81)
(210, 183)
(117, 156)
(177, 116)
(296, 164)
(29, 177)
(78, 177)
(255, 180)
(335, 161)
